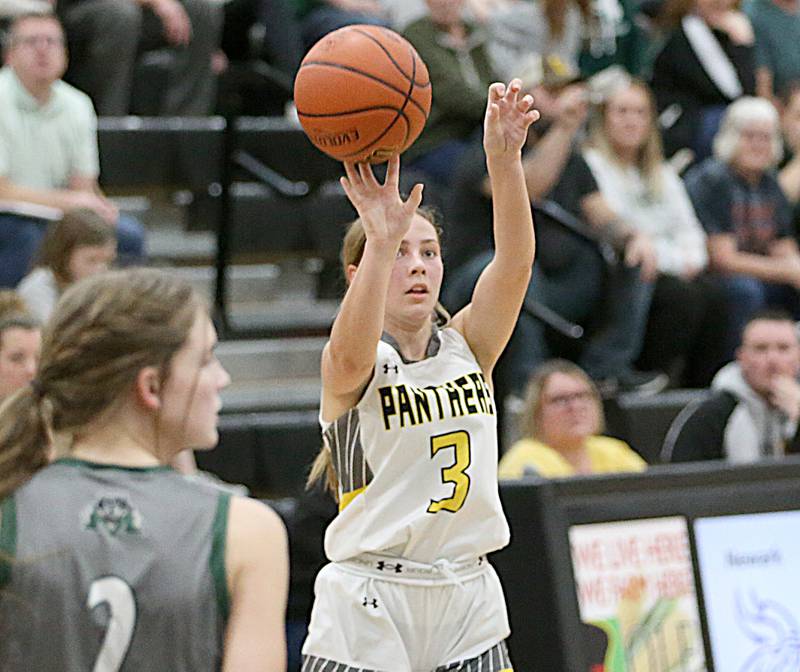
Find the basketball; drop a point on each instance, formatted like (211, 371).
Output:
(362, 94)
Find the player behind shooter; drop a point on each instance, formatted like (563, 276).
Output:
(410, 429)
(112, 560)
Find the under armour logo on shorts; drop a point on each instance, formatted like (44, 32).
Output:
(367, 602)
(382, 566)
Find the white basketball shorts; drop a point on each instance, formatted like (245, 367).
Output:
(388, 614)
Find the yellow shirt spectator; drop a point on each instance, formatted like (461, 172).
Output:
(606, 455)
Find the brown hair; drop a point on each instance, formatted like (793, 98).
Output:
(532, 407)
(77, 228)
(650, 161)
(14, 314)
(104, 331)
(353, 244)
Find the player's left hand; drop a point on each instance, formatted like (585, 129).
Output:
(508, 117)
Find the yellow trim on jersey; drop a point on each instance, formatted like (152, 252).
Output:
(348, 497)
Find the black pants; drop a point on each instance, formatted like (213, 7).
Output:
(686, 330)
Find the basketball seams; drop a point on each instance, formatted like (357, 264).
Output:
(329, 115)
(400, 113)
(394, 62)
(339, 76)
(367, 75)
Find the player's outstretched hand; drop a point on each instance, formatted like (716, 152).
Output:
(508, 116)
(385, 215)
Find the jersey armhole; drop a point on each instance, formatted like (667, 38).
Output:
(219, 533)
(8, 539)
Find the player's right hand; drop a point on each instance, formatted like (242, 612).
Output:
(386, 217)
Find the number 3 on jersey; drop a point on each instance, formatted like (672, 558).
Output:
(455, 472)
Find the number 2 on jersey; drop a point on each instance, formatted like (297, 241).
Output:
(454, 473)
(121, 602)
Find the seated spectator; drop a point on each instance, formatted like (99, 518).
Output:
(754, 411)
(20, 344)
(79, 245)
(106, 38)
(455, 52)
(740, 204)
(570, 275)
(48, 149)
(707, 62)
(561, 429)
(776, 24)
(624, 153)
(320, 17)
(524, 35)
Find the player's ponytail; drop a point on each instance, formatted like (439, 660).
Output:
(322, 470)
(25, 437)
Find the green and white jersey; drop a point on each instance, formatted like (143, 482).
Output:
(416, 460)
(108, 568)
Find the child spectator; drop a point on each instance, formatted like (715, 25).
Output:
(81, 244)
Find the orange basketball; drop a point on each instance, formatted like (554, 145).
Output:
(362, 94)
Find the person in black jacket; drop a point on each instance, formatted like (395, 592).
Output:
(707, 62)
(754, 410)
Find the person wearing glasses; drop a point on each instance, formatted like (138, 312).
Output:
(49, 160)
(561, 427)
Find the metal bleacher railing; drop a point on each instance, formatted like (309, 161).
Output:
(257, 183)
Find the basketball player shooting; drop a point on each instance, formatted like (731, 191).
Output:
(409, 426)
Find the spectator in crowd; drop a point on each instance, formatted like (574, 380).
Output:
(754, 410)
(279, 45)
(740, 204)
(48, 148)
(538, 34)
(320, 17)
(455, 52)
(624, 153)
(81, 244)
(706, 62)
(789, 174)
(20, 344)
(106, 38)
(777, 29)
(613, 37)
(571, 276)
(561, 425)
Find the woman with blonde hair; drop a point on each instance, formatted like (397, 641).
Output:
(110, 559)
(410, 432)
(643, 190)
(561, 426)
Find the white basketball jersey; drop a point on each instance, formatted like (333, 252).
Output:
(417, 460)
